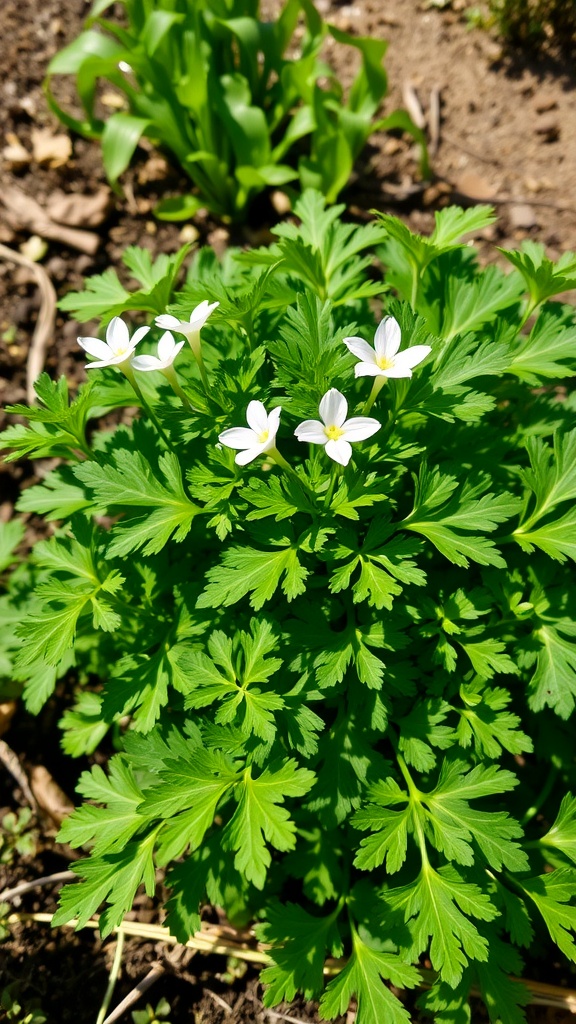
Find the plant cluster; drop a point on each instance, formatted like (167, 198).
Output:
(239, 103)
(337, 656)
(535, 21)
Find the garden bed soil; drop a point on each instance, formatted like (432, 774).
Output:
(507, 136)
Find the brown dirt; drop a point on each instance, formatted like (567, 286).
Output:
(508, 135)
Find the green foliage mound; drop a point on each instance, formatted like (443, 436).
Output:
(341, 688)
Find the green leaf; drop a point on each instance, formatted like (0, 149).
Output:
(260, 818)
(253, 572)
(552, 894)
(128, 482)
(441, 907)
(113, 878)
(543, 278)
(549, 349)
(444, 521)
(122, 133)
(362, 978)
(10, 536)
(299, 944)
(562, 835)
(554, 681)
(112, 827)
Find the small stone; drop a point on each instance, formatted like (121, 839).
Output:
(548, 128)
(392, 146)
(543, 102)
(189, 233)
(532, 184)
(523, 216)
(281, 202)
(474, 186)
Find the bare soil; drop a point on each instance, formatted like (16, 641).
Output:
(507, 135)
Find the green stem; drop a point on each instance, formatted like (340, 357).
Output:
(334, 479)
(112, 978)
(172, 379)
(194, 342)
(279, 459)
(129, 374)
(542, 796)
(415, 283)
(377, 386)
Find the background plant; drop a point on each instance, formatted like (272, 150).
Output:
(348, 691)
(233, 99)
(531, 22)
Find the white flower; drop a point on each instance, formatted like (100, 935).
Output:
(335, 431)
(167, 352)
(384, 360)
(118, 347)
(192, 327)
(255, 439)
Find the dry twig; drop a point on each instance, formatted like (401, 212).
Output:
(44, 329)
(11, 762)
(38, 883)
(153, 975)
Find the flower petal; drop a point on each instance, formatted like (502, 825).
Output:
(166, 346)
(169, 322)
(257, 417)
(274, 421)
(333, 408)
(369, 370)
(360, 427)
(360, 348)
(95, 347)
(238, 437)
(243, 458)
(412, 356)
(117, 334)
(200, 314)
(146, 363)
(387, 338)
(312, 431)
(340, 451)
(138, 335)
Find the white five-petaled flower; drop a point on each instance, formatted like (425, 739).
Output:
(117, 349)
(190, 328)
(384, 360)
(335, 431)
(168, 349)
(255, 439)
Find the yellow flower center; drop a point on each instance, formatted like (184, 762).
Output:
(263, 437)
(333, 432)
(120, 350)
(383, 363)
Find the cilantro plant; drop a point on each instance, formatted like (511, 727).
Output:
(320, 587)
(240, 103)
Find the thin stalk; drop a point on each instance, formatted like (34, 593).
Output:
(542, 796)
(170, 375)
(129, 374)
(415, 283)
(334, 480)
(112, 978)
(279, 459)
(377, 386)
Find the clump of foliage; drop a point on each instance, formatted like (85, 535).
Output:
(534, 21)
(341, 682)
(239, 103)
(17, 835)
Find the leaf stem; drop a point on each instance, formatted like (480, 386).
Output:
(129, 374)
(377, 386)
(542, 796)
(112, 978)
